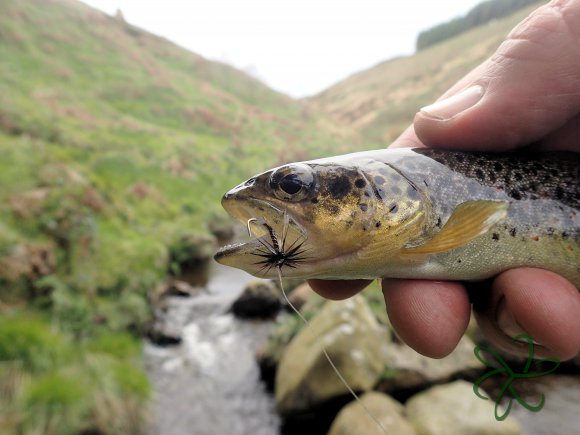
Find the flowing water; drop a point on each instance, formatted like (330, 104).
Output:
(209, 384)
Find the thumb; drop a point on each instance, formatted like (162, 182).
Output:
(528, 89)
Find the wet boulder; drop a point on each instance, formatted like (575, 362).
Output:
(405, 369)
(259, 300)
(300, 295)
(352, 337)
(354, 418)
(454, 409)
(182, 289)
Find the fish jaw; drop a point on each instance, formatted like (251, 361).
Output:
(277, 238)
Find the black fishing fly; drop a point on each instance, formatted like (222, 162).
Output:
(275, 253)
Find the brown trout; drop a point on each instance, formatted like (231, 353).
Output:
(410, 213)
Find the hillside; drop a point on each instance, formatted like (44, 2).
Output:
(116, 148)
(154, 133)
(379, 103)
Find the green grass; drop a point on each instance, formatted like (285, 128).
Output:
(116, 148)
(53, 383)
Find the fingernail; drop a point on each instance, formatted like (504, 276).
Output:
(451, 106)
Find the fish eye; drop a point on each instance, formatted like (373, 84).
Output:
(292, 182)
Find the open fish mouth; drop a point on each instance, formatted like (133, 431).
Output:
(277, 240)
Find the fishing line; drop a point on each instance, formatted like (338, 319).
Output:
(319, 341)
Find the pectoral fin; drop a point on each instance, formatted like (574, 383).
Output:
(469, 220)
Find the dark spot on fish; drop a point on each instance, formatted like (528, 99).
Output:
(440, 160)
(339, 187)
(412, 192)
(460, 158)
(559, 192)
(360, 183)
(368, 195)
(518, 176)
(333, 209)
(564, 235)
(438, 224)
(379, 180)
(479, 173)
(497, 166)
(395, 190)
(261, 208)
(314, 201)
(459, 260)
(550, 231)
(495, 236)
(425, 182)
(363, 207)
(378, 224)
(393, 208)
(515, 194)
(513, 232)
(492, 177)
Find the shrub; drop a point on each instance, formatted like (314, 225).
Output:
(117, 344)
(189, 258)
(31, 341)
(55, 404)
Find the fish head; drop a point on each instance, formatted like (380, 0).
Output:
(314, 219)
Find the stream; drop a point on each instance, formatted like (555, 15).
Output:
(210, 383)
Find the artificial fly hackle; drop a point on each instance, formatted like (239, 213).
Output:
(274, 252)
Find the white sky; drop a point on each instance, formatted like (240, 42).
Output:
(298, 47)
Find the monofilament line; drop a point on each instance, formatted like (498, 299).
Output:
(317, 339)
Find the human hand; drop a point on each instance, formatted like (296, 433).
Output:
(527, 92)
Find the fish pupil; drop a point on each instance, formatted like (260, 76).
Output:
(290, 184)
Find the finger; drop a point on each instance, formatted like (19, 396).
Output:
(527, 89)
(565, 138)
(408, 139)
(541, 304)
(430, 316)
(338, 290)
